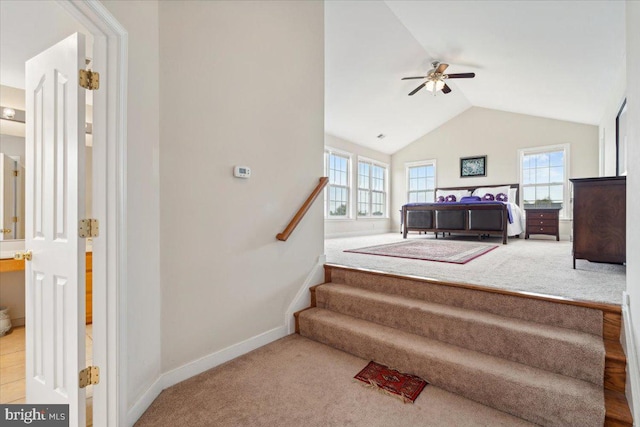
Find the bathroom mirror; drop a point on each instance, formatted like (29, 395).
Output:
(12, 188)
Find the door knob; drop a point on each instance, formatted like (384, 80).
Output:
(5, 231)
(26, 255)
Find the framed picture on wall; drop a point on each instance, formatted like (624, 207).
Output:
(621, 140)
(473, 166)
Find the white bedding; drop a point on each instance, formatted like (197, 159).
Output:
(517, 226)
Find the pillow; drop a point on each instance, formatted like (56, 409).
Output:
(501, 197)
(513, 195)
(488, 197)
(450, 198)
(481, 191)
(440, 199)
(458, 193)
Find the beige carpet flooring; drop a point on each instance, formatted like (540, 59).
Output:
(298, 382)
(534, 265)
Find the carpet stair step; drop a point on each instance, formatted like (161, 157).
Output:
(560, 350)
(503, 303)
(533, 394)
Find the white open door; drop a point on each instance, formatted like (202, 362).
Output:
(55, 276)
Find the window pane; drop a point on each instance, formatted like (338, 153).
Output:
(421, 183)
(542, 160)
(526, 162)
(527, 176)
(378, 184)
(542, 193)
(555, 193)
(529, 194)
(363, 202)
(556, 174)
(542, 176)
(430, 196)
(431, 183)
(556, 158)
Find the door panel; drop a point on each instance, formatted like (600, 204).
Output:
(55, 276)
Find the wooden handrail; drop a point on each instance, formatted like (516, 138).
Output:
(303, 210)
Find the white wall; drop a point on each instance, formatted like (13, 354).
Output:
(356, 226)
(142, 325)
(633, 187)
(242, 83)
(499, 135)
(13, 146)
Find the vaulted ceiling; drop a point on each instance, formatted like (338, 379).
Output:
(555, 59)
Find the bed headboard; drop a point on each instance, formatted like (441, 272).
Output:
(517, 186)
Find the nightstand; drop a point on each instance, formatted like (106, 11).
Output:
(543, 221)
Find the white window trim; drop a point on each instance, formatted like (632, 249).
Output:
(567, 201)
(386, 187)
(349, 215)
(428, 162)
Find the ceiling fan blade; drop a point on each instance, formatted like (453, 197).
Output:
(441, 68)
(417, 89)
(409, 78)
(446, 89)
(461, 76)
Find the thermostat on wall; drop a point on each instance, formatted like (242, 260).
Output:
(242, 172)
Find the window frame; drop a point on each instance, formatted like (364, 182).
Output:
(428, 162)
(328, 151)
(385, 192)
(566, 212)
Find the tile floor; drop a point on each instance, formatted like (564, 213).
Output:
(12, 367)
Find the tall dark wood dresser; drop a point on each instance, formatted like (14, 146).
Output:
(599, 219)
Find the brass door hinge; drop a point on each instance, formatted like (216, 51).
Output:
(88, 228)
(89, 79)
(89, 376)
(15, 173)
(14, 219)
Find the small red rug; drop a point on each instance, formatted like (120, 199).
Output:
(404, 386)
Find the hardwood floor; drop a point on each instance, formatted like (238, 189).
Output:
(12, 367)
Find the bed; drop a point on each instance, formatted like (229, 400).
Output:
(476, 210)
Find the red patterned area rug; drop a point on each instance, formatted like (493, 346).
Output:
(404, 386)
(429, 250)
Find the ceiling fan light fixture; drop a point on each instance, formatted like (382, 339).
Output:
(434, 85)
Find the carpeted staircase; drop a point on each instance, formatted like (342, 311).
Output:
(552, 363)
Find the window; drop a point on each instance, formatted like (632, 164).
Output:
(543, 176)
(337, 167)
(372, 190)
(421, 182)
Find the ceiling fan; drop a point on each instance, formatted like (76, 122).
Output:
(435, 79)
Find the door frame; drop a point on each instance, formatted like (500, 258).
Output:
(110, 51)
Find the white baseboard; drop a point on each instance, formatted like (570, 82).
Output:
(198, 366)
(301, 300)
(143, 403)
(236, 350)
(221, 356)
(633, 362)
